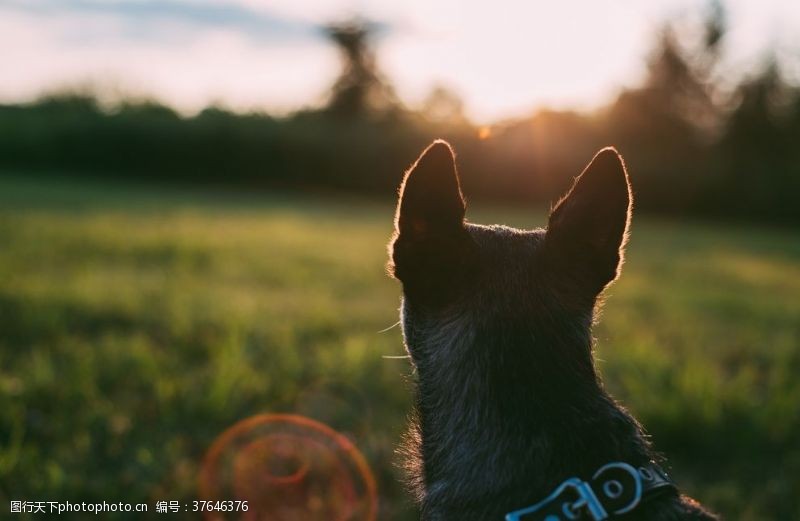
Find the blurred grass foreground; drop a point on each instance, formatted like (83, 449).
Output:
(138, 325)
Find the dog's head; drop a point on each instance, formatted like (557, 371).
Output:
(496, 298)
(497, 322)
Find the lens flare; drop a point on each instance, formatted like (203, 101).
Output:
(288, 468)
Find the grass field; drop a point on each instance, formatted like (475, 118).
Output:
(138, 324)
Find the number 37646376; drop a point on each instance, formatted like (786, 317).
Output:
(220, 506)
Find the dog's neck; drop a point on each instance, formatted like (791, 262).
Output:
(513, 424)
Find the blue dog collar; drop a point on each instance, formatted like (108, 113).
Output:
(615, 489)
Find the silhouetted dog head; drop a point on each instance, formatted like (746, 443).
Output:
(497, 322)
(517, 280)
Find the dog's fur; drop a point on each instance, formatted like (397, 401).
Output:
(497, 322)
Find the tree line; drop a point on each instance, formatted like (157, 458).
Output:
(693, 147)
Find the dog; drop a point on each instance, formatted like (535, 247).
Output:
(511, 420)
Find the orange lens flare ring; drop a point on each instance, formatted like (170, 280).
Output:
(288, 467)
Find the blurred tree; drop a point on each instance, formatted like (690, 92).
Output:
(360, 88)
(665, 126)
(758, 151)
(443, 105)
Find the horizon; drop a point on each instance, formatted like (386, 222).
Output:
(242, 56)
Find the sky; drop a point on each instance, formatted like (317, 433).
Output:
(504, 58)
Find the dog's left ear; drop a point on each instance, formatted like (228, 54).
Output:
(430, 196)
(588, 228)
(430, 239)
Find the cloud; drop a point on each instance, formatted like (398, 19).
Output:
(155, 19)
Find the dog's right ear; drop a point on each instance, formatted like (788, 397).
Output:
(429, 222)
(588, 228)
